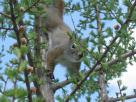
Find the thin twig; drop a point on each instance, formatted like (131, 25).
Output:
(5, 82)
(13, 18)
(130, 13)
(73, 21)
(3, 28)
(30, 61)
(34, 4)
(120, 92)
(5, 15)
(119, 98)
(15, 86)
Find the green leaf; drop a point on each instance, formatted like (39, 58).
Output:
(87, 61)
(12, 73)
(1, 19)
(3, 98)
(88, 99)
(9, 93)
(105, 65)
(109, 31)
(17, 92)
(14, 61)
(23, 66)
(17, 52)
(24, 49)
(20, 92)
(38, 99)
(127, 3)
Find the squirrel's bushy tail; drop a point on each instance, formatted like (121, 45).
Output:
(59, 4)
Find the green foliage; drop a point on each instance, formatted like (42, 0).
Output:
(87, 61)
(22, 66)
(11, 73)
(17, 92)
(24, 50)
(38, 99)
(3, 98)
(17, 52)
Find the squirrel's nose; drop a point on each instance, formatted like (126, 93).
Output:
(80, 54)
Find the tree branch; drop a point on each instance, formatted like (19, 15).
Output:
(6, 28)
(34, 4)
(6, 15)
(130, 13)
(13, 18)
(122, 57)
(30, 61)
(12, 4)
(119, 99)
(46, 85)
(61, 84)
(102, 84)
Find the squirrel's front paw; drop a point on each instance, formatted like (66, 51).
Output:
(50, 74)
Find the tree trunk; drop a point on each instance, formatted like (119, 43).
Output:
(45, 81)
(47, 91)
(102, 84)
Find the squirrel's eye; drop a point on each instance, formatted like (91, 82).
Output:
(73, 46)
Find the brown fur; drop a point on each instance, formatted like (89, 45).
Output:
(59, 43)
(60, 5)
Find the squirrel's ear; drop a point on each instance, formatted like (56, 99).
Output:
(60, 5)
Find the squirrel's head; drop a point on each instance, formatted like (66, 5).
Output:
(73, 53)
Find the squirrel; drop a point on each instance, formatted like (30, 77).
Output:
(61, 49)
